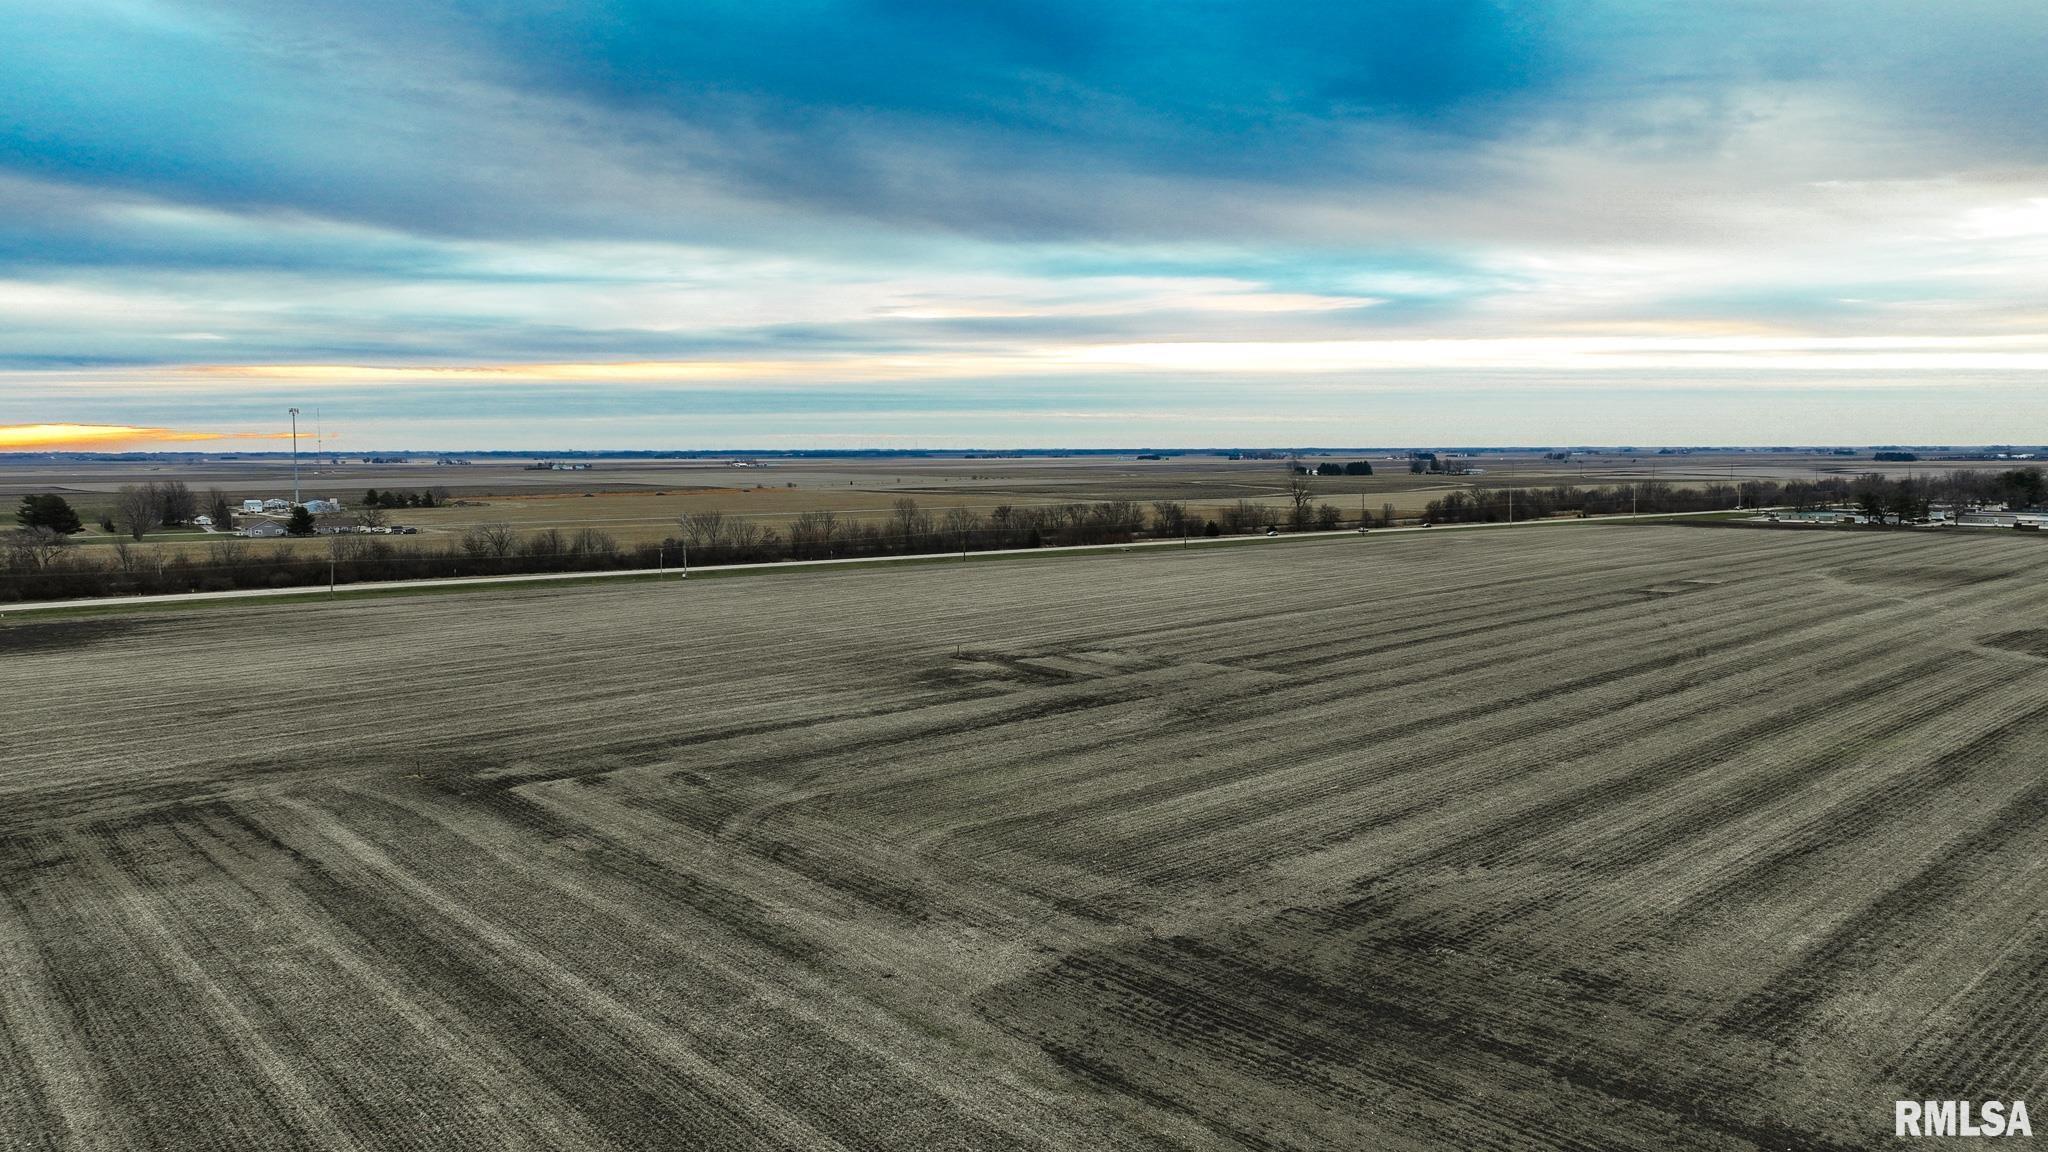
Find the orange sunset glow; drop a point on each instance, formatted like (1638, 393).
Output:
(111, 437)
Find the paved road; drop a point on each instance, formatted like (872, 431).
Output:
(780, 565)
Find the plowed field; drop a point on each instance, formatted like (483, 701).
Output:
(1578, 837)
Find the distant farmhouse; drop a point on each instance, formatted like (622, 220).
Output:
(264, 530)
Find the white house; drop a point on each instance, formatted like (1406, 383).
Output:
(276, 505)
(252, 505)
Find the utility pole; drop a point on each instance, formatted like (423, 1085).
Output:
(295, 456)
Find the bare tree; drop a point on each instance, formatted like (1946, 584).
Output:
(32, 548)
(812, 535)
(1303, 494)
(135, 509)
(548, 542)
(132, 561)
(904, 512)
(959, 526)
(497, 539)
(705, 531)
(1119, 519)
(1246, 516)
(742, 535)
(230, 553)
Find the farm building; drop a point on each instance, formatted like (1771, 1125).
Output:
(252, 505)
(320, 505)
(275, 504)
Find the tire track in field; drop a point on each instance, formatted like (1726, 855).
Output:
(1673, 834)
(1833, 827)
(1446, 731)
(641, 1086)
(1783, 1009)
(1996, 1045)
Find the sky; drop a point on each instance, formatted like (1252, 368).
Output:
(923, 224)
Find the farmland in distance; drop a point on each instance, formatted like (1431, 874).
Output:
(1574, 837)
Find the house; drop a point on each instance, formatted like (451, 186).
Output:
(203, 520)
(264, 530)
(276, 505)
(252, 505)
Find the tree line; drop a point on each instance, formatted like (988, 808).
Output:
(37, 566)
(36, 563)
(1906, 498)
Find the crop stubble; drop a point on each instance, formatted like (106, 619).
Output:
(1573, 838)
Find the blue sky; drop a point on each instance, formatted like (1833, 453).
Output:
(918, 223)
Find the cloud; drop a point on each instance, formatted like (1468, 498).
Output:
(238, 199)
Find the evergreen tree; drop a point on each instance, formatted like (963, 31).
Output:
(49, 511)
(300, 523)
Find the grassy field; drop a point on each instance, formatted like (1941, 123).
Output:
(1611, 838)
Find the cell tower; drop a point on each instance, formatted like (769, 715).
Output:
(295, 457)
